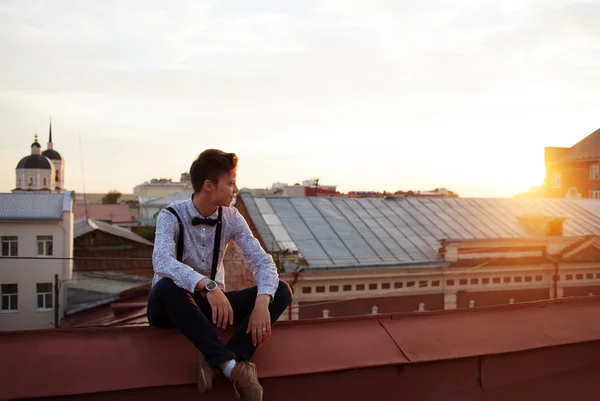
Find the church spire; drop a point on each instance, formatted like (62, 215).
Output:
(50, 144)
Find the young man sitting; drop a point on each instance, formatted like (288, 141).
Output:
(185, 296)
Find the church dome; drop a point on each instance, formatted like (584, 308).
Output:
(52, 154)
(35, 162)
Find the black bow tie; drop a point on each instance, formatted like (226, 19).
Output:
(199, 220)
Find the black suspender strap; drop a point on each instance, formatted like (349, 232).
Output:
(217, 248)
(180, 236)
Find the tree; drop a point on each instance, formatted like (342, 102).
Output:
(111, 198)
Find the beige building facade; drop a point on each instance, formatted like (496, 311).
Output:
(36, 234)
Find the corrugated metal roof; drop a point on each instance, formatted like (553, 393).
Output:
(591, 205)
(365, 231)
(34, 206)
(84, 226)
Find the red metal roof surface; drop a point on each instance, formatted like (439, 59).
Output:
(113, 213)
(87, 361)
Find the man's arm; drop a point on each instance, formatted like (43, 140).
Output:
(164, 257)
(261, 263)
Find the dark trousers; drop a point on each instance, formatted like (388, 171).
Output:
(172, 306)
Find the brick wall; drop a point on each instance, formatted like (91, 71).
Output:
(356, 307)
(489, 298)
(237, 272)
(581, 291)
(572, 175)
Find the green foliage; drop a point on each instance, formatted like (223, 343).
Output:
(111, 198)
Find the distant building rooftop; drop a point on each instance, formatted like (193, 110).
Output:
(338, 232)
(116, 214)
(85, 226)
(34, 206)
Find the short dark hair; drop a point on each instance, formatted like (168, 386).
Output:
(210, 165)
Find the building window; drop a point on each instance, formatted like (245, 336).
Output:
(423, 284)
(569, 277)
(320, 288)
(44, 243)
(595, 171)
(360, 287)
(579, 277)
(594, 194)
(325, 313)
(556, 180)
(422, 307)
(507, 279)
(511, 301)
(44, 296)
(398, 284)
(385, 286)
(485, 281)
(45, 181)
(410, 284)
(334, 288)
(347, 287)
(496, 280)
(374, 310)
(589, 276)
(471, 304)
(306, 290)
(474, 281)
(10, 299)
(463, 281)
(30, 181)
(449, 283)
(518, 279)
(435, 283)
(373, 286)
(10, 246)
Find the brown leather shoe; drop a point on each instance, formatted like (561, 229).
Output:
(245, 382)
(205, 375)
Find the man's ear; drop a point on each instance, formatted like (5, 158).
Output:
(208, 186)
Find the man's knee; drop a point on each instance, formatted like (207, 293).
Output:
(284, 293)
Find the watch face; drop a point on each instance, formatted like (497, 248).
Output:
(211, 286)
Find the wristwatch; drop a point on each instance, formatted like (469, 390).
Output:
(209, 286)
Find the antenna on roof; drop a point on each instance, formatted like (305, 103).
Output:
(82, 178)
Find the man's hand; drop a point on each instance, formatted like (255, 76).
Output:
(221, 308)
(260, 321)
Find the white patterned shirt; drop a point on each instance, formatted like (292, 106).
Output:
(198, 244)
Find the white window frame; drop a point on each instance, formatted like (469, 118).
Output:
(9, 239)
(556, 180)
(594, 194)
(47, 298)
(12, 297)
(595, 172)
(47, 242)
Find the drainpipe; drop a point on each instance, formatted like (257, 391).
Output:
(555, 279)
(296, 277)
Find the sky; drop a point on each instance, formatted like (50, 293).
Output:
(368, 95)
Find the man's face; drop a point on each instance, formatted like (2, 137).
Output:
(226, 189)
